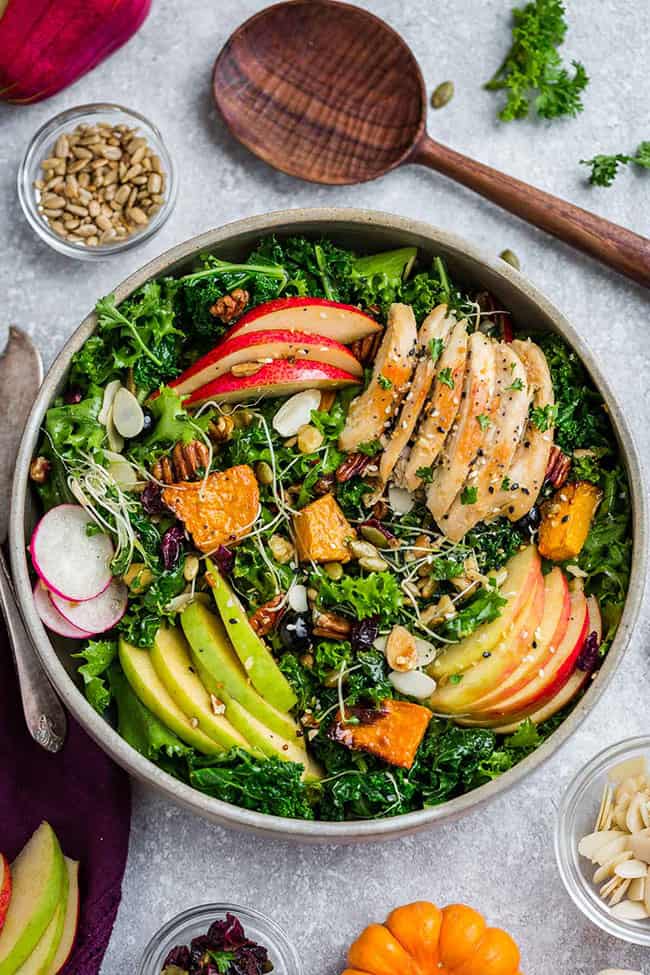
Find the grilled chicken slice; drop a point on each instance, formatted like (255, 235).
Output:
(503, 430)
(372, 411)
(442, 408)
(468, 433)
(434, 330)
(528, 468)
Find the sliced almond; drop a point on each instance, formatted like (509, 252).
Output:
(606, 853)
(636, 890)
(639, 844)
(610, 887)
(629, 911)
(646, 894)
(621, 806)
(401, 650)
(608, 869)
(591, 844)
(644, 809)
(605, 808)
(627, 769)
(620, 892)
(633, 819)
(631, 869)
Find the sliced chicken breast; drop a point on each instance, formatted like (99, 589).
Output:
(468, 433)
(529, 464)
(372, 411)
(441, 410)
(431, 338)
(503, 428)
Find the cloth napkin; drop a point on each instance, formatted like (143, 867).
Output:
(86, 799)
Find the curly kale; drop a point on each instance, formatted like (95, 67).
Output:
(98, 656)
(532, 73)
(376, 594)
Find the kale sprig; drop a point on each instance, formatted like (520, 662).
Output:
(532, 73)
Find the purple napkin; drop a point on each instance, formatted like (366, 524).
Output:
(87, 800)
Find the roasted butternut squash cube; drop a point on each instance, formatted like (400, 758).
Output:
(322, 532)
(219, 510)
(566, 520)
(391, 731)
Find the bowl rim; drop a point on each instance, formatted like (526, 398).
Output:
(330, 219)
(581, 891)
(46, 132)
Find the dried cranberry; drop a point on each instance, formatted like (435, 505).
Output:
(180, 957)
(224, 559)
(72, 397)
(589, 655)
(171, 546)
(363, 633)
(151, 497)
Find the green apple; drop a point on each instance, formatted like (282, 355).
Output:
(265, 675)
(38, 875)
(40, 960)
(222, 671)
(150, 690)
(170, 657)
(70, 920)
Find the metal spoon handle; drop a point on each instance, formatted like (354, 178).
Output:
(618, 248)
(44, 714)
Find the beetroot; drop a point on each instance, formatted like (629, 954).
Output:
(45, 45)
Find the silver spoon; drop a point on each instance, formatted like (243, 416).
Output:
(21, 372)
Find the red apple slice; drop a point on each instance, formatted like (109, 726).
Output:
(70, 921)
(524, 570)
(344, 323)
(264, 347)
(543, 641)
(554, 675)
(458, 697)
(5, 888)
(279, 378)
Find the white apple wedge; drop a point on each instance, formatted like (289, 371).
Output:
(38, 881)
(344, 323)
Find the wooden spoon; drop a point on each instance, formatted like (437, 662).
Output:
(330, 93)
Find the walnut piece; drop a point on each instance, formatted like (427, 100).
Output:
(230, 306)
(39, 470)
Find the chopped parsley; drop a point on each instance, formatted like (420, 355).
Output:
(435, 349)
(506, 484)
(543, 417)
(515, 384)
(425, 474)
(469, 495)
(445, 377)
(604, 169)
(370, 448)
(384, 382)
(483, 421)
(455, 678)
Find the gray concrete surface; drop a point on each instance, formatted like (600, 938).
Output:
(499, 859)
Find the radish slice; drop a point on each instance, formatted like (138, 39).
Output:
(71, 563)
(95, 615)
(51, 617)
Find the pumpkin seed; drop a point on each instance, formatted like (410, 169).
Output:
(264, 472)
(510, 258)
(334, 570)
(191, 568)
(373, 564)
(443, 94)
(374, 536)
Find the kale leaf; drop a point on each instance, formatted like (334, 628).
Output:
(482, 608)
(375, 594)
(99, 655)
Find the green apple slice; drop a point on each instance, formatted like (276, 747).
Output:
(171, 660)
(222, 671)
(38, 874)
(40, 960)
(148, 687)
(70, 920)
(265, 675)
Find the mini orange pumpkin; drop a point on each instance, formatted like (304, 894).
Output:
(421, 939)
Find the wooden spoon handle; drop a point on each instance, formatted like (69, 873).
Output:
(620, 249)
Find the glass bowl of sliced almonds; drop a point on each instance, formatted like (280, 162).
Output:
(602, 840)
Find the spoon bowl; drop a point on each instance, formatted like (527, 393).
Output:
(328, 92)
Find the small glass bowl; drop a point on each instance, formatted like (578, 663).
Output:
(196, 921)
(41, 147)
(576, 817)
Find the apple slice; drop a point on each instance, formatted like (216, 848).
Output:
(38, 874)
(459, 696)
(544, 641)
(524, 570)
(5, 888)
(344, 323)
(279, 378)
(264, 347)
(70, 920)
(559, 667)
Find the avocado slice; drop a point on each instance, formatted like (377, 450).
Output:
(222, 671)
(170, 657)
(150, 690)
(265, 675)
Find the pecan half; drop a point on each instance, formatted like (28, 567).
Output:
(331, 626)
(365, 350)
(230, 306)
(559, 465)
(354, 464)
(186, 460)
(267, 617)
(39, 470)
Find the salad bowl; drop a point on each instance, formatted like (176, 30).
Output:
(367, 232)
